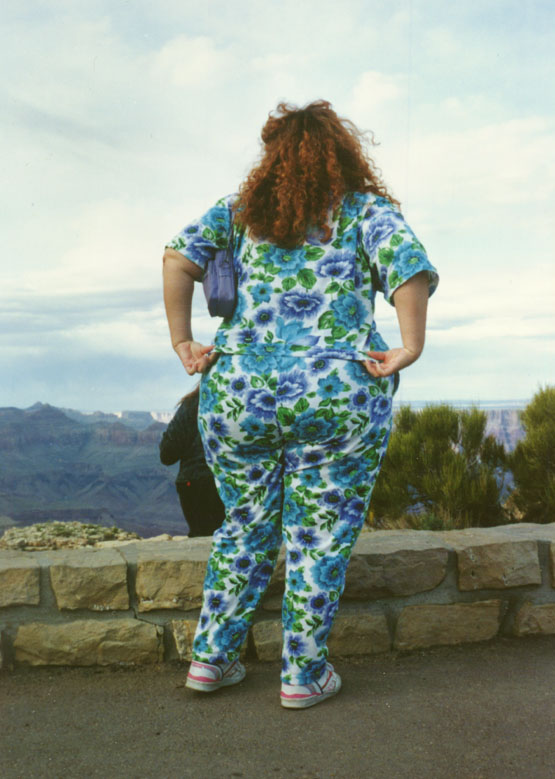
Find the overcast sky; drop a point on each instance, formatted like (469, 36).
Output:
(124, 119)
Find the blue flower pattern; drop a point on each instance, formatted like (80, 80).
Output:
(323, 292)
(293, 425)
(315, 496)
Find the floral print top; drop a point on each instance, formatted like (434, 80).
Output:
(317, 299)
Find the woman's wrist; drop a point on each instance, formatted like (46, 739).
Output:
(414, 351)
(181, 343)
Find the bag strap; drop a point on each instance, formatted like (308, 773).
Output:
(236, 233)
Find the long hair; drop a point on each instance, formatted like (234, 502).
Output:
(310, 159)
(191, 397)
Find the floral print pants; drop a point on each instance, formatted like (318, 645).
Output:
(295, 445)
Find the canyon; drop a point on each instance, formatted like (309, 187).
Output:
(63, 464)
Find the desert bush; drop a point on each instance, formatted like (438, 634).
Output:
(533, 460)
(440, 471)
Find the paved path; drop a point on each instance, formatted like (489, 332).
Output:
(482, 711)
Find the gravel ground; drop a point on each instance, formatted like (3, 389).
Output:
(480, 711)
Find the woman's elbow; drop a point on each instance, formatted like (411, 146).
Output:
(174, 260)
(171, 255)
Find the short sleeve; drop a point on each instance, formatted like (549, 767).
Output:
(394, 252)
(199, 240)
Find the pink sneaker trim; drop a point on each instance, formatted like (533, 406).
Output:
(315, 691)
(205, 677)
(199, 672)
(201, 678)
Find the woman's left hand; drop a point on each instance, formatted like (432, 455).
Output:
(196, 357)
(390, 362)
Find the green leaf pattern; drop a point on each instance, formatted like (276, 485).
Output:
(317, 298)
(295, 444)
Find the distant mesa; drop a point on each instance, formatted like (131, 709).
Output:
(66, 465)
(60, 464)
(138, 420)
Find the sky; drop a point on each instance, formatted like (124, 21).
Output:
(123, 120)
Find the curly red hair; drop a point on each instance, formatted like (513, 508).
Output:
(311, 158)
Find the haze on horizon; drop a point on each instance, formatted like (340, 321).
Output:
(123, 121)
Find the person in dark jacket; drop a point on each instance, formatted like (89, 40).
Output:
(200, 502)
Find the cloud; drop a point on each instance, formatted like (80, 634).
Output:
(373, 89)
(192, 62)
(50, 312)
(497, 161)
(128, 322)
(109, 245)
(493, 183)
(378, 103)
(127, 120)
(65, 375)
(71, 67)
(498, 328)
(35, 120)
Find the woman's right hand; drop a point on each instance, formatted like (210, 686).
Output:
(196, 357)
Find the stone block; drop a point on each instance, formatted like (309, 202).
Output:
(267, 636)
(529, 531)
(359, 634)
(183, 631)
(277, 582)
(172, 580)
(494, 560)
(273, 603)
(389, 563)
(89, 642)
(456, 623)
(552, 557)
(535, 618)
(89, 579)
(19, 579)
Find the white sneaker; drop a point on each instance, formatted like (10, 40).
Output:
(301, 696)
(205, 677)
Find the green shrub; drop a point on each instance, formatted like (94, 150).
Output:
(441, 471)
(533, 460)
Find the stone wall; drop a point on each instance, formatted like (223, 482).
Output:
(138, 602)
